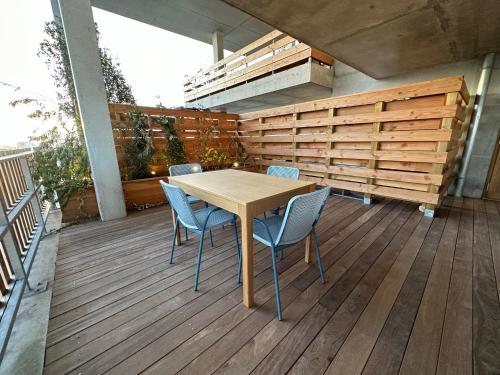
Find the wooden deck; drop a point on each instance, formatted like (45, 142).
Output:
(403, 294)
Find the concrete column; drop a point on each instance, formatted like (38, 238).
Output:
(218, 46)
(79, 30)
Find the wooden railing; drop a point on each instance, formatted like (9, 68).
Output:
(273, 52)
(22, 223)
(401, 142)
(198, 130)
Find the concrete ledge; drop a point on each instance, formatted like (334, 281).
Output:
(25, 352)
(304, 82)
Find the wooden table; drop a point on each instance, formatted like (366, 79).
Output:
(246, 194)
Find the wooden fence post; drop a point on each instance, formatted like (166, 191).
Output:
(372, 163)
(439, 168)
(329, 144)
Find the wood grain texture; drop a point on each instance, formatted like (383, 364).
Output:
(399, 143)
(119, 307)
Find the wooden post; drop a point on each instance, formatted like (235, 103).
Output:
(261, 145)
(439, 168)
(372, 163)
(294, 133)
(329, 144)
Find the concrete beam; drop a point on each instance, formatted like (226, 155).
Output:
(81, 39)
(218, 45)
(301, 83)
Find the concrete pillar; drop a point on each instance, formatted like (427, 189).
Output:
(79, 30)
(218, 46)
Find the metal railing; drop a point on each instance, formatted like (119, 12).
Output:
(22, 225)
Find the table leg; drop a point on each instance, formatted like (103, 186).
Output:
(247, 253)
(307, 256)
(178, 233)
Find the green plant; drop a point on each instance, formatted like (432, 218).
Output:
(215, 158)
(140, 149)
(174, 152)
(60, 159)
(60, 162)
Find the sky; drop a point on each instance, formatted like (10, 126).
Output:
(154, 62)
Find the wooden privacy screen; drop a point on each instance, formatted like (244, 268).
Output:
(399, 142)
(198, 129)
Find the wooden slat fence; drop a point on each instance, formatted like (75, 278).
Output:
(273, 52)
(400, 142)
(22, 223)
(198, 130)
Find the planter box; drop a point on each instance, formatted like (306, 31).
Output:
(141, 194)
(80, 206)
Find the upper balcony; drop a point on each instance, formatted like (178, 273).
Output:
(274, 70)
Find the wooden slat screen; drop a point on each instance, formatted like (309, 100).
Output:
(271, 52)
(399, 142)
(192, 126)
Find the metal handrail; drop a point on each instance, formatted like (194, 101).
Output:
(20, 262)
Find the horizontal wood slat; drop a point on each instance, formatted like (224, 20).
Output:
(198, 131)
(387, 142)
(404, 92)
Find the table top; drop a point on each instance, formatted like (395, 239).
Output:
(239, 186)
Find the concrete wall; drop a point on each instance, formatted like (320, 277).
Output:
(348, 81)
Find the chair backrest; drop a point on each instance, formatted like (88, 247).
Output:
(179, 203)
(302, 212)
(286, 172)
(181, 169)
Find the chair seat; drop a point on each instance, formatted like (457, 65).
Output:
(193, 199)
(274, 225)
(216, 219)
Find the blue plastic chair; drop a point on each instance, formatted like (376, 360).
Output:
(198, 222)
(285, 172)
(182, 169)
(279, 232)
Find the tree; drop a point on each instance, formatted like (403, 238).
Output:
(54, 49)
(61, 160)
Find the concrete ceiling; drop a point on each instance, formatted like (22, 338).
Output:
(383, 38)
(196, 19)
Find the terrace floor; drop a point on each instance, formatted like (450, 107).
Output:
(404, 294)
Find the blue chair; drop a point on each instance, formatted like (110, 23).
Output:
(198, 222)
(182, 169)
(285, 172)
(279, 232)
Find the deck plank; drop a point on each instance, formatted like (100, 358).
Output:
(486, 310)
(400, 289)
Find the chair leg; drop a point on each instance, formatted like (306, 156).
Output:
(186, 230)
(211, 238)
(282, 254)
(200, 249)
(318, 257)
(238, 249)
(276, 284)
(176, 226)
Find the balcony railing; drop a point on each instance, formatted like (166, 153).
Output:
(273, 52)
(22, 224)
